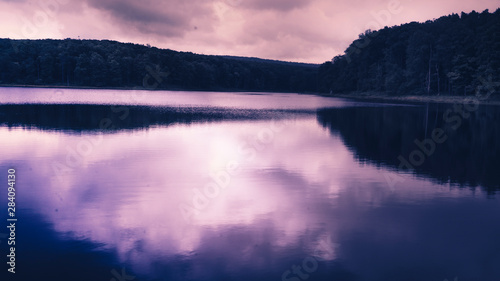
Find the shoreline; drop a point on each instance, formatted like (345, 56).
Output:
(137, 88)
(366, 96)
(444, 99)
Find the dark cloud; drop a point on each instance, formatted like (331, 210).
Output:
(168, 18)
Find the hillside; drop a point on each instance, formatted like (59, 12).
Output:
(452, 55)
(104, 63)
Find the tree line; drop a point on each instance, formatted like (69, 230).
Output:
(104, 63)
(453, 55)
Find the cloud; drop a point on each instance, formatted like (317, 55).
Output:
(168, 18)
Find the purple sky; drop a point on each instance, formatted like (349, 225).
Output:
(293, 30)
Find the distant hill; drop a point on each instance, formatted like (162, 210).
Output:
(104, 63)
(253, 59)
(455, 54)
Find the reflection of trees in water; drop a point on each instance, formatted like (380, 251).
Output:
(470, 156)
(113, 118)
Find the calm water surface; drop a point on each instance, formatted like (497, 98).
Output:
(132, 185)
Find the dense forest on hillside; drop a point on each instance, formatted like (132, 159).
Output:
(106, 63)
(451, 55)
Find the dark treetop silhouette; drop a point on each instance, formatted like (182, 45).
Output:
(93, 63)
(451, 55)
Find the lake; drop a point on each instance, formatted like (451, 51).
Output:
(135, 185)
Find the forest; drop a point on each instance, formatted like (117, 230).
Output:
(104, 63)
(452, 55)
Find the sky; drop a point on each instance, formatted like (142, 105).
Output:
(312, 31)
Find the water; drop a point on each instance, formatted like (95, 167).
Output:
(132, 185)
